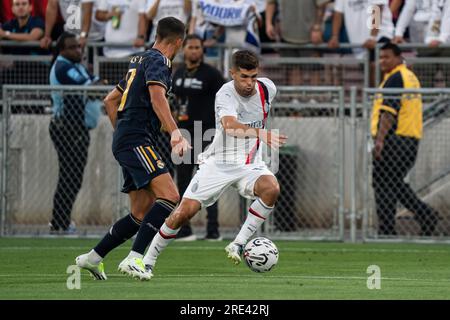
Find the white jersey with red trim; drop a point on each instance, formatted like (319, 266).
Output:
(251, 111)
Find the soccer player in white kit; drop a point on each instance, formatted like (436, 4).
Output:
(233, 159)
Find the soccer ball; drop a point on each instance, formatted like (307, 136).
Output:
(260, 254)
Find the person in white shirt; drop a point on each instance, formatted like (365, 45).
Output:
(360, 28)
(415, 15)
(126, 23)
(355, 14)
(439, 26)
(233, 159)
(91, 28)
(70, 11)
(438, 33)
(158, 9)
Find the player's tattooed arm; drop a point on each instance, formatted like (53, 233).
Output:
(239, 130)
(162, 109)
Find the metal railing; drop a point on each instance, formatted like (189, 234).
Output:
(331, 68)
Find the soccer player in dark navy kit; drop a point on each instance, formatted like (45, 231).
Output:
(142, 112)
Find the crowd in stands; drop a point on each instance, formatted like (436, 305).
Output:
(245, 22)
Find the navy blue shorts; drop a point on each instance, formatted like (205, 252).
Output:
(139, 166)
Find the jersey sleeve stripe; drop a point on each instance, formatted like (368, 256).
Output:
(158, 83)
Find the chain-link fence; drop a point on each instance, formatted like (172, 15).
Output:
(407, 180)
(56, 170)
(51, 171)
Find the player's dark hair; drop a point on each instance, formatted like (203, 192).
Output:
(245, 59)
(192, 37)
(393, 47)
(170, 28)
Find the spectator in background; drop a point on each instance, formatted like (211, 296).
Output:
(70, 11)
(90, 27)
(6, 13)
(427, 22)
(415, 15)
(355, 15)
(333, 73)
(204, 29)
(125, 23)
(261, 9)
(439, 33)
(69, 128)
(396, 7)
(439, 26)
(158, 9)
(24, 27)
(396, 130)
(211, 23)
(195, 85)
(307, 17)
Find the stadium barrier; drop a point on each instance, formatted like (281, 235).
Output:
(316, 65)
(286, 64)
(429, 177)
(310, 169)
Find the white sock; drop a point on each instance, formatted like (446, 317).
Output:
(258, 213)
(159, 243)
(94, 257)
(134, 254)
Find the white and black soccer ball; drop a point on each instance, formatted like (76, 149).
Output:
(260, 254)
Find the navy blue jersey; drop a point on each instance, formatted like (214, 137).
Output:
(137, 122)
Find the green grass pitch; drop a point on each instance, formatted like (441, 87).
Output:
(36, 269)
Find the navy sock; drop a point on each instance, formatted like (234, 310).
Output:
(120, 232)
(153, 220)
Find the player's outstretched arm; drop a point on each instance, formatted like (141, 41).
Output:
(159, 101)
(239, 130)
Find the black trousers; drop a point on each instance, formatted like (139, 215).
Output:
(71, 144)
(398, 157)
(184, 176)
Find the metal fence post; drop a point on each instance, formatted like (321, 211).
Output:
(365, 169)
(96, 62)
(4, 160)
(353, 164)
(377, 65)
(341, 153)
(367, 69)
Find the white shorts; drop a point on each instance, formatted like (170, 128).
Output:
(212, 179)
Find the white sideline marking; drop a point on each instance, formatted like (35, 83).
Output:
(52, 275)
(306, 249)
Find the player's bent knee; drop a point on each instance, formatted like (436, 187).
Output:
(269, 194)
(273, 192)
